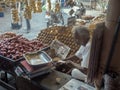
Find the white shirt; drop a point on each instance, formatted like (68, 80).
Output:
(84, 54)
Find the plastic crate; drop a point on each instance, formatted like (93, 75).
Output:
(1, 14)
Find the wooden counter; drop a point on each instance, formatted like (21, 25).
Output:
(45, 82)
(48, 82)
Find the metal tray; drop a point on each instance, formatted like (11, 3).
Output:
(38, 58)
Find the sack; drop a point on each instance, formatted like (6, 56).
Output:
(111, 81)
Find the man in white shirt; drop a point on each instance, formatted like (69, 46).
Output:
(82, 37)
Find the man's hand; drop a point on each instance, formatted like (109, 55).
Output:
(60, 62)
(70, 63)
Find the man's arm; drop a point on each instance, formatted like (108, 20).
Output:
(75, 65)
(73, 57)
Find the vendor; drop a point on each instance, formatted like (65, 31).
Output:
(82, 37)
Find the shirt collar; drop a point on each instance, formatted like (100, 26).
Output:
(88, 43)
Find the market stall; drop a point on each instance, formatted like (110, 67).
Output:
(12, 49)
(11, 53)
(15, 48)
(33, 64)
(35, 61)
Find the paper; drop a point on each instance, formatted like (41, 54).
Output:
(74, 84)
(60, 48)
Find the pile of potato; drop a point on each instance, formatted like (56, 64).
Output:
(7, 35)
(61, 33)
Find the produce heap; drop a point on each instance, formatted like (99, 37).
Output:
(61, 33)
(14, 46)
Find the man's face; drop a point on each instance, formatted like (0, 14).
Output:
(83, 40)
(77, 39)
(80, 40)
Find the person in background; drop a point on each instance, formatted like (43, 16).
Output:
(20, 13)
(81, 11)
(82, 37)
(16, 25)
(27, 16)
(28, 25)
(70, 3)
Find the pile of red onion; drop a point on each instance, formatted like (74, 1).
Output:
(16, 46)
